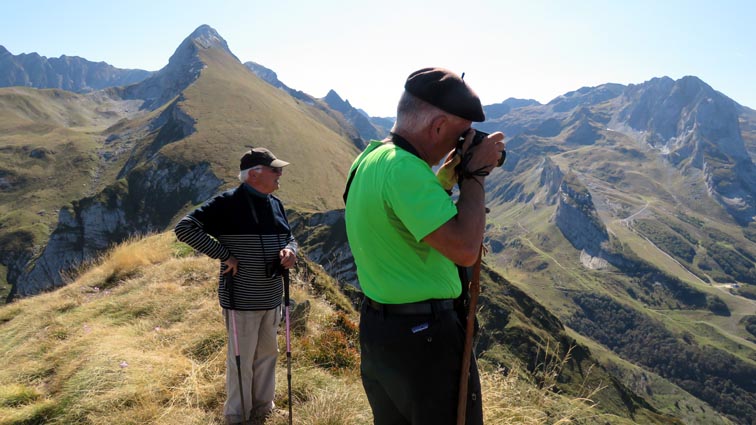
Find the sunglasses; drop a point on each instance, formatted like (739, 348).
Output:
(277, 170)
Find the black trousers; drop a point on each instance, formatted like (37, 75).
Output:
(411, 366)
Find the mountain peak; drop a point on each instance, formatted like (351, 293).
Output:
(337, 103)
(205, 36)
(183, 68)
(333, 96)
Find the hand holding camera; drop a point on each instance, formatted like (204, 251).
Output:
(480, 153)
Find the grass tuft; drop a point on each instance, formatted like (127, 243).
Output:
(14, 395)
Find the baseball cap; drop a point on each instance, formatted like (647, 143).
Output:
(260, 156)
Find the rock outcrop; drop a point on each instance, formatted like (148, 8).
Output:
(550, 180)
(323, 237)
(143, 202)
(577, 219)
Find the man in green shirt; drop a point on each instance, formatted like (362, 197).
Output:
(407, 235)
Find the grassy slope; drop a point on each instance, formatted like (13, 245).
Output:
(49, 142)
(671, 398)
(138, 338)
(234, 108)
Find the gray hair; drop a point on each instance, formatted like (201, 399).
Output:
(244, 174)
(413, 113)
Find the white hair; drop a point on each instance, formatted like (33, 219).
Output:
(244, 174)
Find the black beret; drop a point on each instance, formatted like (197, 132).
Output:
(446, 91)
(260, 156)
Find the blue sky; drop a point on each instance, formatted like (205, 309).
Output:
(365, 50)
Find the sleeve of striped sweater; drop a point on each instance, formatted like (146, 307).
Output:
(292, 244)
(191, 231)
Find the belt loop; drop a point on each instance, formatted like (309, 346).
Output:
(435, 309)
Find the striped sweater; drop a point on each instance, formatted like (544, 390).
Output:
(253, 228)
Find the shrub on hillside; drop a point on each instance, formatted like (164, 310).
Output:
(750, 325)
(335, 348)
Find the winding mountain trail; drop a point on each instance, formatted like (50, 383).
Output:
(627, 220)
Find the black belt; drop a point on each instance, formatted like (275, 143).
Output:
(421, 307)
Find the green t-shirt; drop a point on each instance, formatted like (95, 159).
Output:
(395, 200)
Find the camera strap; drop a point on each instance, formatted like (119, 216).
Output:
(463, 272)
(402, 143)
(370, 148)
(248, 198)
(397, 140)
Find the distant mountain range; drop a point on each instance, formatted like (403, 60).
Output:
(622, 222)
(70, 73)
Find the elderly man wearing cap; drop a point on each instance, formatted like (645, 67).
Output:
(247, 230)
(407, 236)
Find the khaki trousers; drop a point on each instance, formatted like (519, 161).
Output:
(258, 350)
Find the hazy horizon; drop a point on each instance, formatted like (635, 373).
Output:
(364, 51)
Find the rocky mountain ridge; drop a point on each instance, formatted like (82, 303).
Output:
(70, 73)
(686, 122)
(368, 128)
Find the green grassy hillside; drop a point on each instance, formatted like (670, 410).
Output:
(234, 109)
(679, 262)
(51, 145)
(138, 338)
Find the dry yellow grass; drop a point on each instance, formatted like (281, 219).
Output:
(137, 338)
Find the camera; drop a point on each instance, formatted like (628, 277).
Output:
(274, 269)
(477, 139)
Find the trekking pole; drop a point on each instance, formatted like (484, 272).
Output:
(288, 337)
(469, 329)
(230, 286)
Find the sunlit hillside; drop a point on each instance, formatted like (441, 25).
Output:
(137, 338)
(234, 109)
(150, 150)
